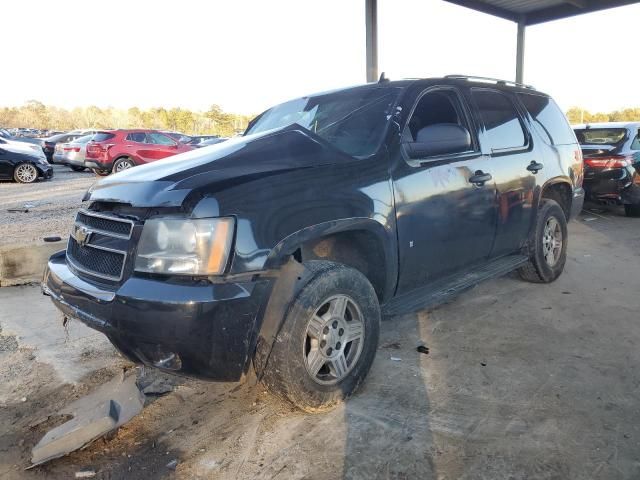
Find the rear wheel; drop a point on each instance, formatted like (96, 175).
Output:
(632, 210)
(328, 340)
(25, 173)
(100, 173)
(77, 168)
(548, 245)
(123, 164)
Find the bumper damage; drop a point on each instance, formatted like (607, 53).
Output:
(190, 327)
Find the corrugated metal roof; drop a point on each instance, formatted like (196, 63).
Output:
(539, 11)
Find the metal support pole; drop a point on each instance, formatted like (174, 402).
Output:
(520, 52)
(371, 21)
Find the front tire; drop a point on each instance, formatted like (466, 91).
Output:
(548, 245)
(328, 340)
(25, 173)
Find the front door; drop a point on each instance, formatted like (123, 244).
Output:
(445, 199)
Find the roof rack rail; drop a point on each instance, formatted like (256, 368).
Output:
(489, 79)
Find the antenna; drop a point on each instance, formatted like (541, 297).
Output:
(382, 78)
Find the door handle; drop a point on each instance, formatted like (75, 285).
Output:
(480, 178)
(535, 166)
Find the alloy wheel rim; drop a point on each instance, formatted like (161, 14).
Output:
(552, 241)
(26, 173)
(123, 166)
(334, 339)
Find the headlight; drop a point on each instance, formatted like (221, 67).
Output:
(185, 247)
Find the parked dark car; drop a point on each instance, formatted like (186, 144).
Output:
(22, 162)
(118, 150)
(49, 144)
(281, 249)
(611, 153)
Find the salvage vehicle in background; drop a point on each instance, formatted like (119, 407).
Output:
(611, 153)
(73, 153)
(49, 144)
(281, 249)
(22, 162)
(118, 150)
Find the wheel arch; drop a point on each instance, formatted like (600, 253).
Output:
(559, 189)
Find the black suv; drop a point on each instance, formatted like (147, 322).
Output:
(611, 154)
(281, 250)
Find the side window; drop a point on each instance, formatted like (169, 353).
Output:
(548, 119)
(635, 145)
(500, 119)
(160, 139)
(437, 126)
(136, 137)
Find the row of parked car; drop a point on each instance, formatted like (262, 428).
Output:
(102, 151)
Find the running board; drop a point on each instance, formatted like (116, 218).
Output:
(439, 292)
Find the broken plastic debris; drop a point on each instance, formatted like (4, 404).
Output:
(172, 464)
(396, 359)
(589, 219)
(105, 409)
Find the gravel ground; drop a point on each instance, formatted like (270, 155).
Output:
(52, 206)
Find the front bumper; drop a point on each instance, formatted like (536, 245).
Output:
(194, 328)
(46, 171)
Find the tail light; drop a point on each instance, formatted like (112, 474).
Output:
(72, 149)
(97, 150)
(614, 161)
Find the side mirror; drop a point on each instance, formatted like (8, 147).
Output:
(439, 139)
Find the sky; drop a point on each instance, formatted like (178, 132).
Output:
(247, 55)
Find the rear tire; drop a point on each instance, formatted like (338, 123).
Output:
(100, 173)
(632, 210)
(328, 339)
(25, 173)
(121, 164)
(547, 246)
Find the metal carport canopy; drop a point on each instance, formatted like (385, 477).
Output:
(523, 12)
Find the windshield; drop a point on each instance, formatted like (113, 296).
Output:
(601, 136)
(352, 120)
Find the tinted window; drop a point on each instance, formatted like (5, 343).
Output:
(601, 136)
(635, 145)
(137, 137)
(160, 139)
(500, 119)
(102, 136)
(548, 119)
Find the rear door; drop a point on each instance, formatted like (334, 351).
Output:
(514, 166)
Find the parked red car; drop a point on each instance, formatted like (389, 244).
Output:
(117, 150)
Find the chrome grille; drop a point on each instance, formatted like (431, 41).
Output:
(98, 245)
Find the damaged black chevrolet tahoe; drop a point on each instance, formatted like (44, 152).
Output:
(281, 250)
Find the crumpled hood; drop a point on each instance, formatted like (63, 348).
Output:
(167, 183)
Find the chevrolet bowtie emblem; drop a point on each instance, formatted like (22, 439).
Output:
(81, 234)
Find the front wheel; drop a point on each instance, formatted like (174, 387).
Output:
(328, 340)
(548, 245)
(25, 173)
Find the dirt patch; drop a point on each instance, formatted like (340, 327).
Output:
(45, 208)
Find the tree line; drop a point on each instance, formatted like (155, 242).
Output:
(580, 115)
(35, 114)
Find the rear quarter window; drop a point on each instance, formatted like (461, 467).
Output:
(102, 136)
(548, 119)
(501, 120)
